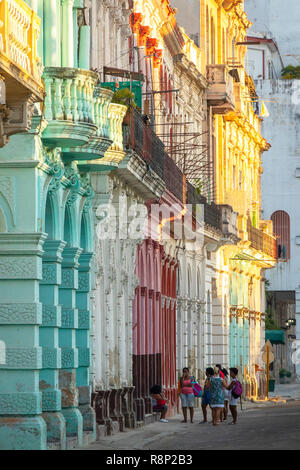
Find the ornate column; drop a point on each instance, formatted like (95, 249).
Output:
(67, 342)
(83, 342)
(49, 340)
(21, 423)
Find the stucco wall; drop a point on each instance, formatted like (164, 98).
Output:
(281, 19)
(280, 187)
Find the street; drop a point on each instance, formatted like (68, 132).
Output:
(265, 428)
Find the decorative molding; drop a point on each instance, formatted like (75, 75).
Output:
(83, 357)
(51, 400)
(84, 322)
(51, 316)
(51, 274)
(51, 358)
(69, 358)
(69, 278)
(7, 189)
(20, 314)
(23, 358)
(20, 403)
(20, 267)
(69, 318)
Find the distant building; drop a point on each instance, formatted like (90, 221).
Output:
(273, 44)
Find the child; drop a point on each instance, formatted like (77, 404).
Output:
(159, 402)
(206, 394)
(233, 401)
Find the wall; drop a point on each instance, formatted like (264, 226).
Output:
(281, 19)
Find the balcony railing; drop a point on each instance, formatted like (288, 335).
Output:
(261, 241)
(100, 141)
(139, 136)
(20, 69)
(220, 93)
(69, 106)
(19, 30)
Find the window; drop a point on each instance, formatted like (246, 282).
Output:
(234, 177)
(281, 227)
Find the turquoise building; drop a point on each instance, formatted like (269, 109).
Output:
(46, 240)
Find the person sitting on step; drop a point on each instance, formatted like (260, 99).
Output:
(159, 402)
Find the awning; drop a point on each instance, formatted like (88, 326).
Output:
(275, 336)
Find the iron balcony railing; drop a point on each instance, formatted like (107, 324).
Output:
(139, 136)
(261, 241)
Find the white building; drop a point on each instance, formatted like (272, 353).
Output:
(273, 44)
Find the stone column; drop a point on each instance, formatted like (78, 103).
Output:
(50, 29)
(67, 341)
(67, 34)
(83, 342)
(49, 340)
(21, 423)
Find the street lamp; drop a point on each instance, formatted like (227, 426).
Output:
(289, 323)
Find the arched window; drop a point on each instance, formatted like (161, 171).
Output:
(281, 228)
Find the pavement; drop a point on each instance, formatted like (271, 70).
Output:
(287, 391)
(261, 425)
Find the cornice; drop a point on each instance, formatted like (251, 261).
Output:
(191, 70)
(244, 124)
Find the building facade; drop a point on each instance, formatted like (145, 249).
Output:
(267, 58)
(235, 148)
(131, 237)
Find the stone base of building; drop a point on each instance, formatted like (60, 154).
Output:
(20, 433)
(49, 431)
(114, 410)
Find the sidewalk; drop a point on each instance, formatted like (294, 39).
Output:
(146, 436)
(287, 391)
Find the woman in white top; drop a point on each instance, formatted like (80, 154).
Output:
(226, 395)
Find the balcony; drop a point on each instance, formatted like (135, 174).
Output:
(69, 107)
(100, 141)
(20, 71)
(261, 241)
(220, 94)
(115, 153)
(229, 223)
(141, 138)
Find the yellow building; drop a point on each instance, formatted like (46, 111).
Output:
(20, 68)
(236, 146)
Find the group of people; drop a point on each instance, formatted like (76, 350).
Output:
(217, 394)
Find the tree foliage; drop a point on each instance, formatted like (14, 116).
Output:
(124, 96)
(291, 72)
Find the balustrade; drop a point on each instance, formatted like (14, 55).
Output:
(19, 30)
(69, 106)
(220, 93)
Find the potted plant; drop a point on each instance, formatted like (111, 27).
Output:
(288, 376)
